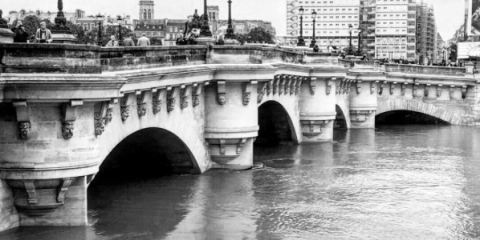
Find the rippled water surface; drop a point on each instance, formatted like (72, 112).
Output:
(405, 182)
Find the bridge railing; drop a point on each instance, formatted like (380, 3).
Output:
(75, 59)
(436, 70)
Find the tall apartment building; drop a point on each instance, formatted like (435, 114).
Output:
(332, 22)
(395, 33)
(426, 31)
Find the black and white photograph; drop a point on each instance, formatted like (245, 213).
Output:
(239, 119)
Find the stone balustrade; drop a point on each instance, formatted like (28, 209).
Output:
(418, 69)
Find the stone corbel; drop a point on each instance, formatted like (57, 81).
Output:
(328, 85)
(392, 87)
(196, 93)
(415, 89)
(221, 92)
(157, 97)
(427, 90)
(452, 91)
(404, 87)
(464, 92)
(247, 91)
(100, 118)
(240, 145)
(125, 103)
(373, 87)
(22, 110)
(184, 96)
(31, 191)
(270, 87)
(65, 184)
(360, 116)
(69, 116)
(298, 86)
(171, 95)
(349, 86)
(281, 86)
(141, 103)
(293, 84)
(380, 89)
(358, 86)
(276, 82)
(261, 91)
(109, 114)
(312, 85)
(313, 128)
(287, 84)
(439, 90)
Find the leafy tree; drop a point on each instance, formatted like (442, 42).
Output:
(259, 35)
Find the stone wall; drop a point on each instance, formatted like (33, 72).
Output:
(9, 217)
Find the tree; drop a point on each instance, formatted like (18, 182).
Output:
(241, 38)
(259, 35)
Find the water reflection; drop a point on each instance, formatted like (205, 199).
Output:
(405, 182)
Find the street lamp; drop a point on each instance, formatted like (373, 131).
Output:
(205, 30)
(350, 28)
(230, 34)
(301, 41)
(359, 50)
(313, 42)
(99, 36)
(119, 19)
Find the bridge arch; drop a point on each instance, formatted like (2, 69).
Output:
(148, 152)
(444, 114)
(277, 123)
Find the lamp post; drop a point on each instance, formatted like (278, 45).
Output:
(313, 42)
(359, 50)
(99, 36)
(119, 19)
(350, 28)
(230, 34)
(301, 41)
(205, 30)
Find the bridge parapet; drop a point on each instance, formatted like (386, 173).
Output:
(85, 59)
(418, 69)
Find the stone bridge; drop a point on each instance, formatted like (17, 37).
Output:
(66, 109)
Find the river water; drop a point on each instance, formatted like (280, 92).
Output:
(395, 182)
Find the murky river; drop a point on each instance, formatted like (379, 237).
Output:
(397, 182)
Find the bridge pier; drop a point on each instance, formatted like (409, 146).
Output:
(317, 109)
(363, 103)
(231, 123)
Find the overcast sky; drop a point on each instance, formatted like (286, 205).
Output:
(449, 13)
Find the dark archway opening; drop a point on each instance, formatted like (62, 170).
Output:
(340, 120)
(275, 126)
(407, 118)
(136, 186)
(148, 153)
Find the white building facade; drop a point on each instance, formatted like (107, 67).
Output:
(331, 23)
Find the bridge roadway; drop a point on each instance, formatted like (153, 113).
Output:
(65, 108)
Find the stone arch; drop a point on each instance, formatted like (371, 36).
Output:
(149, 152)
(341, 121)
(273, 114)
(447, 115)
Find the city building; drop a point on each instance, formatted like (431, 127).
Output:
(426, 32)
(168, 30)
(333, 21)
(395, 32)
(70, 16)
(441, 49)
(89, 23)
(147, 11)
